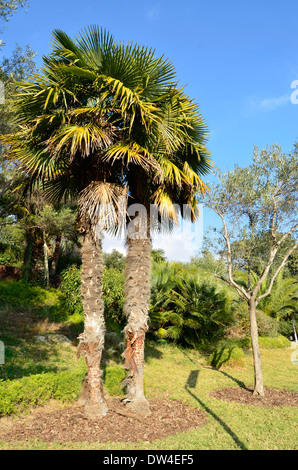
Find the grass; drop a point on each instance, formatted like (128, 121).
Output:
(170, 373)
(185, 376)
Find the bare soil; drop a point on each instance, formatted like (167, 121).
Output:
(245, 396)
(69, 424)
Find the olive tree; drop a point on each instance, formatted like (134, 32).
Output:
(261, 198)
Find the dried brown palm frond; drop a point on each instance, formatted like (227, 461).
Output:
(102, 206)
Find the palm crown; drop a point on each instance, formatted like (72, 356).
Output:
(102, 115)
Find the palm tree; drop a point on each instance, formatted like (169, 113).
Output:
(282, 301)
(74, 137)
(105, 119)
(179, 148)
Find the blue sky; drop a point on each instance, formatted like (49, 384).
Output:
(236, 59)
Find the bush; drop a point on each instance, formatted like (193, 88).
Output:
(274, 343)
(17, 395)
(267, 326)
(187, 310)
(71, 288)
(265, 342)
(22, 295)
(227, 355)
(113, 295)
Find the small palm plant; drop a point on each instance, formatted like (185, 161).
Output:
(186, 309)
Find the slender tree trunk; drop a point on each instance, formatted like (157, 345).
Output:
(46, 260)
(92, 339)
(27, 264)
(137, 298)
(258, 384)
(56, 254)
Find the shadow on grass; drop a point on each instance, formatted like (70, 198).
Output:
(28, 360)
(191, 383)
(237, 381)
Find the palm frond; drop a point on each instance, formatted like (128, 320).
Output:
(131, 152)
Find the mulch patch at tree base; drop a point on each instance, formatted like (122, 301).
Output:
(245, 396)
(69, 424)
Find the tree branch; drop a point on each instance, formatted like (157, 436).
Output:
(277, 272)
(241, 291)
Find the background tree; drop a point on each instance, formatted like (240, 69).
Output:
(115, 260)
(262, 197)
(10, 7)
(158, 255)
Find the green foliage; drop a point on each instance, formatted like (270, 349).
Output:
(229, 352)
(24, 296)
(187, 309)
(274, 343)
(18, 395)
(158, 255)
(267, 326)
(114, 260)
(71, 288)
(113, 378)
(282, 301)
(12, 256)
(227, 355)
(265, 342)
(113, 295)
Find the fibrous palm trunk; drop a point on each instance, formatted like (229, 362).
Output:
(92, 339)
(137, 298)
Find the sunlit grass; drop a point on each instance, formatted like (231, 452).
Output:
(185, 375)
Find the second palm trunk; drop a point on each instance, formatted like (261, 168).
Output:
(137, 298)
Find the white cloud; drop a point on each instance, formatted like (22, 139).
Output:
(180, 245)
(270, 104)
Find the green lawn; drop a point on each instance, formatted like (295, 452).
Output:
(185, 375)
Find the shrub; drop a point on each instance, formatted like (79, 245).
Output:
(22, 295)
(71, 288)
(227, 355)
(113, 295)
(265, 342)
(274, 343)
(267, 326)
(17, 395)
(187, 310)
